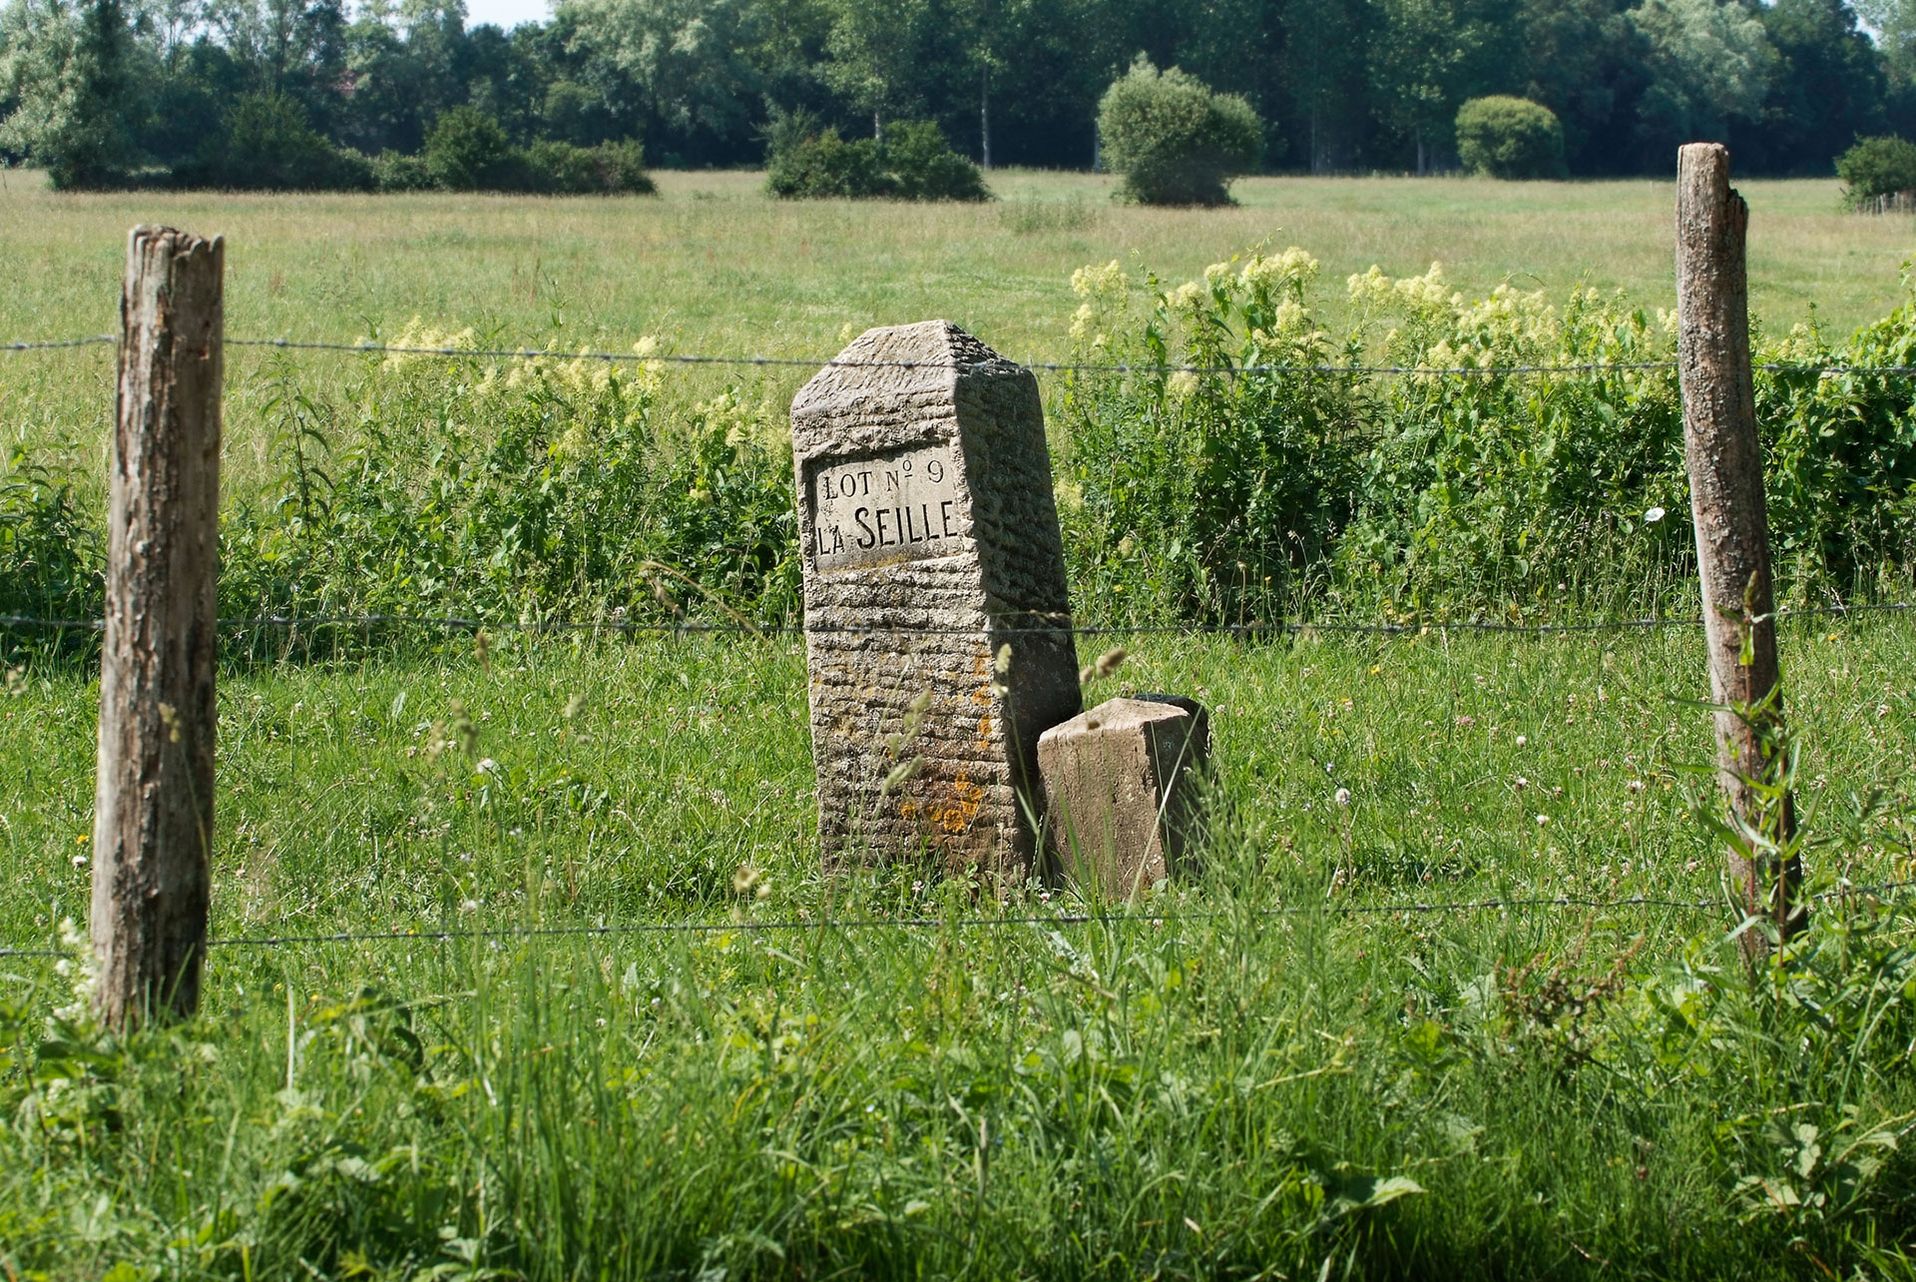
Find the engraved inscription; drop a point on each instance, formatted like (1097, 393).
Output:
(875, 511)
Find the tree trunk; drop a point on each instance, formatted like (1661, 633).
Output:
(153, 804)
(984, 114)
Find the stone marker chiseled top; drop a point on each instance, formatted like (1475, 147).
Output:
(930, 539)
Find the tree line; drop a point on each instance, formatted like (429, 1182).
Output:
(108, 91)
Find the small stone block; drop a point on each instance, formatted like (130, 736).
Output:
(1121, 790)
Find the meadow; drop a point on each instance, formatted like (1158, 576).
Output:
(1451, 993)
(712, 266)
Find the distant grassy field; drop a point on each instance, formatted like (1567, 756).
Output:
(713, 265)
(716, 265)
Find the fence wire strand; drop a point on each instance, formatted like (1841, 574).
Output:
(1031, 625)
(1884, 891)
(1047, 367)
(58, 344)
(372, 348)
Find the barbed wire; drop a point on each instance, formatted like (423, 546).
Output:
(1049, 367)
(1031, 625)
(374, 348)
(55, 344)
(1886, 891)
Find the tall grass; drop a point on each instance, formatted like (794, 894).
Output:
(1247, 1079)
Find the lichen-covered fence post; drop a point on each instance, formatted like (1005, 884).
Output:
(153, 806)
(1725, 460)
(938, 626)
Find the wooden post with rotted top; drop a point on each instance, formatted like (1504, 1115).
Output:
(153, 811)
(1725, 463)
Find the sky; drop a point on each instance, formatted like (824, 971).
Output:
(506, 13)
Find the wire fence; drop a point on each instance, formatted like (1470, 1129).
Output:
(1026, 626)
(372, 348)
(616, 624)
(1886, 892)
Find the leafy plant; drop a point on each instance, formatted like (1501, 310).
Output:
(805, 159)
(1877, 167)
(1173, 139)
(52, 557)
(268, 144)
(468, 151)
(1506, 137)
(1527, 461)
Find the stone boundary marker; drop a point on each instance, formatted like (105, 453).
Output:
(926, 512)
(1123, 791)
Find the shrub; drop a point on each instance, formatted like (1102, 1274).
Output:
(1877, 167)
(558, 168)
(267, 144)
(480, 488)
(561, 169)
(806, 159)
(397, 171)
(468, 151)
(1218, 495)
(1281, 485)
(1505, 137)
(621, 169)
(1173, 139)
(826, 165)
(922, 166)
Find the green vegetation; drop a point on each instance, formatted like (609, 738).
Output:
(1269, 1069)
(808, 160)
(1242, 1079)
(1877, 167)
(1272, 485)
(1174, 141)
(1509, 138)
(1263, 484)
(468, 151)
(107, 93)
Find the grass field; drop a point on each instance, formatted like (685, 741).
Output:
(1289, 1064)
(712, 265)
(1257, 1074)
(715, 265)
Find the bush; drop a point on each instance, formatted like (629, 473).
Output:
(52, 563)
(397, 171)
(1173, 139)
(471, 487)
(267, 144)
(468, 151)
(922, 166)
(1280, 485)
(561, 169)
(558, 168)
(621, 169)
(1506, 137)
(806, 159)
(825, 166)
(1877, 167)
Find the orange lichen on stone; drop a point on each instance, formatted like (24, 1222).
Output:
(958, 807)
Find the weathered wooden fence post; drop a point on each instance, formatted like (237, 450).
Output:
(153, 805)
(1733, 534)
